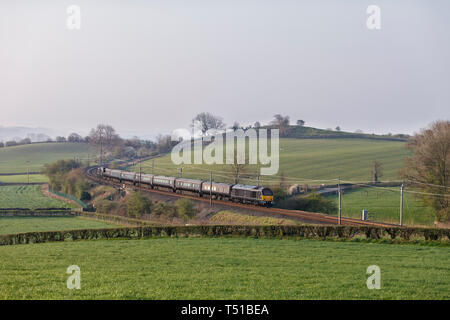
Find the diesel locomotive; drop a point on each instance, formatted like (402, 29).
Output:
(223, 191)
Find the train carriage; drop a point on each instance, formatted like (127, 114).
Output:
(146, 179)
(163, 181)
(189, 185)
(128, 176)
(218, 189)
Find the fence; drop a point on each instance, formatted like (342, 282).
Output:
(68, 197)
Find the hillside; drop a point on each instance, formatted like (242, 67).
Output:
(307, 161)
(13, 159)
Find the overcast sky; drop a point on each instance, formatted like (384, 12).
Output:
(149, 66)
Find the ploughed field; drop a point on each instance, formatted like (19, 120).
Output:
(10, 225)
(28, 196)
(310, 161)
(223, 268)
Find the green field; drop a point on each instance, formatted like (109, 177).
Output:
(223, 268)
(384, 205)
(14, 159)
(310, 161)
(9, 225)
(28, 197)
(23, 178)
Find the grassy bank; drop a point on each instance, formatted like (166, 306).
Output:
(306, 161)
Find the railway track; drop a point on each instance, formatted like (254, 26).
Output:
(302, 215)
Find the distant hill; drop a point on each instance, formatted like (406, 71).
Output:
(303, 132)
(18, 133)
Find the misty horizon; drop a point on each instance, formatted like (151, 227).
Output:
(149, 68)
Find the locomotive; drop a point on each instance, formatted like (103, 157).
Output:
(223, 191)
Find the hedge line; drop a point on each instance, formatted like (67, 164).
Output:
(35, 213)
(116, 219)
(314, 232)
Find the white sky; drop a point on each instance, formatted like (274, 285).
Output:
(149, 66)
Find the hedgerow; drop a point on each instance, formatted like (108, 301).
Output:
(393, 234)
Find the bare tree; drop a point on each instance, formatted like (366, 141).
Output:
(235, 126)
(281, 122)
(74, 137)
(240, 162)
(377, 171)
(105, 138)
(207, 121)
(428, 168)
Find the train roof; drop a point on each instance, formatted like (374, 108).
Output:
(189, 180)
(247, 187)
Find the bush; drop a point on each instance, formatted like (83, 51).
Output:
(312, 203)
(85, 196)
(164, 210)
(186, 208)
(105, 206)
(138, 204)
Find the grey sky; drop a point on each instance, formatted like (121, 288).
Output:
(150, 66)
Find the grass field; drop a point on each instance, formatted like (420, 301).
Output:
(223, 268)
(28, 197)
(13, 159)
(23, 178)
(10, 225)
(306, 161)
(229, 217)
(384, 205)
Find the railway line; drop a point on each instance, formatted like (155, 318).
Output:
(310, 217)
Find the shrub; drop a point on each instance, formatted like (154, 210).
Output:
(105, 206)
(313, 203)
(186, 208)
(85, 196)
(164, 209)
(138, 204)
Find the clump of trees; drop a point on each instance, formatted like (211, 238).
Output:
(67, 176)
(206, 121)
(312, 203)
(138, 204)
(428, 168)
(282, 122)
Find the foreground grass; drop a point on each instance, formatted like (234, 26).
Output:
(305, 161)
(23, 178)
(384, 205)
(223, 268)
(28, 197)
(10, 225)
(14, 159)
(230, 217)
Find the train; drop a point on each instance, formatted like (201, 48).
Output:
(258, 195)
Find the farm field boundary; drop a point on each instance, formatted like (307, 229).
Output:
(42, 212)
(388, 235)
(115, 219)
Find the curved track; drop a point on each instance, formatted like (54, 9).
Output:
(302, 215)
